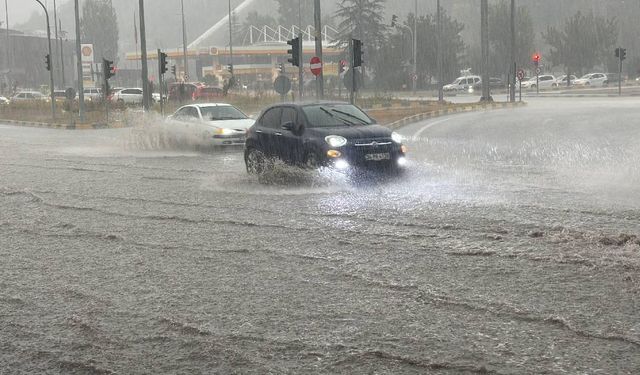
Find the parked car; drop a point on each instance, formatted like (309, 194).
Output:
(28, 96)
(215, 124)
(333, 134)
(545, 81)
(207, 93)
(182, 91)
(4, 100)
(562, 80)
(592, 79)
(127, 96)
(59, 95)
(92, 94)
(463, 84)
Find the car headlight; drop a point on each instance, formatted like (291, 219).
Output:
(397, 138)
(223, 131)
(335, 140)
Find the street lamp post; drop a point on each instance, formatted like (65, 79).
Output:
(51, 84)
(232, 79)
(79, 64)
(440, 52)
(414, 76)
(414, 45)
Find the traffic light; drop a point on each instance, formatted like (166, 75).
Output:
(536, 59)
(623, 53)
(163, 63)
(357, 53)
(281, 68)
(107, 69)
(295, 51)
(618, 52)
(394, 20)
(47, 61)
(173, 70)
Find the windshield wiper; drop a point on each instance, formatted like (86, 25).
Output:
(364, 122)
(346, 122)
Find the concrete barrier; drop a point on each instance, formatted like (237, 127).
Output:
(48, 125)
(448, 111)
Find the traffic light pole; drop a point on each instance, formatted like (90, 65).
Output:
(512, 75)
(620, 73)
(51, 84)
(301, 70)
(160, 76)
(143, 57)
(79, 65)
(352, 59)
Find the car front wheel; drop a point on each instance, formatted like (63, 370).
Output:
(255, 161)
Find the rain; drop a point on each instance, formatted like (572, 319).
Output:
(319, 186)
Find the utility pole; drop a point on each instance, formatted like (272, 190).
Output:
(414, 75)
(55, 25)
(51, 65)
(301, 65)
(145, 72)
(7, 47)
(184, 43)
(64, 80)
(484, 36)
(79, 64)
(440, 52)
(317, 18)
(232, 80)
(512, 69)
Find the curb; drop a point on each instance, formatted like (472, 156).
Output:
(449, 111)
(47, 125)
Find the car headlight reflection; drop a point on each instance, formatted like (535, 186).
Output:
(397, 138)
(335, 140)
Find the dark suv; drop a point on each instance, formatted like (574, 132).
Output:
(332, 134)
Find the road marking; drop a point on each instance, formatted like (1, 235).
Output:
(419, 132)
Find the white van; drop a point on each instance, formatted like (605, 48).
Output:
(463, 84)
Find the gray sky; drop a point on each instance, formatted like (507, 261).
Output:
(19, 10)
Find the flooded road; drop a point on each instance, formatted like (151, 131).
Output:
(510, 246)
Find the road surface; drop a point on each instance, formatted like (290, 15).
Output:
(510, 246)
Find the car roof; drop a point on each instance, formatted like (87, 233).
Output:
(211, 105)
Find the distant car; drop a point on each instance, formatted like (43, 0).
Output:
(207, 93)
(28, 96)
(463, 84)
(592, 79)
(562, 80)
(332, 134)
(3, 100)
(545, 81)
(92, 94)
(59, 95)
(128, 96)
(183, 91)
(215, 124)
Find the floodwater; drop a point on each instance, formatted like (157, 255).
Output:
(509, 246)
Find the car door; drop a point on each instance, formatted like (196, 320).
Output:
(289, 144)
(267, 130)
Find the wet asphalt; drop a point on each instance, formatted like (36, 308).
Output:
(509, 246)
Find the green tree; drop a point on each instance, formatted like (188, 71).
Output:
(585, 41)
(363, 20)
(99, 26)
(500, 38)
(395, 64)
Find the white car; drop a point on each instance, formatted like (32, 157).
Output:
(592, 79)
(214, 124)
(463, 84)
(562, 81)
(92, 94)
(3, 100)
(28, 96)
(128, 96)
(545, 81)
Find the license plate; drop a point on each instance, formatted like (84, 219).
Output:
(377, 157)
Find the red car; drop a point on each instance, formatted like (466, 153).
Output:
(207, 93)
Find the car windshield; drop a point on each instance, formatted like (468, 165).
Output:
(222, 112)
(330, 115)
